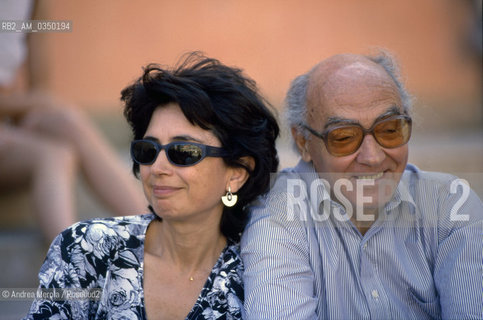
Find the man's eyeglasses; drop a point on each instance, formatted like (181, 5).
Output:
(344, 140)
(179, 153)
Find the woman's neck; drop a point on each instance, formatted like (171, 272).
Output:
(189, 247)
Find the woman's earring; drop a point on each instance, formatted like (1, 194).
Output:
(229, 199)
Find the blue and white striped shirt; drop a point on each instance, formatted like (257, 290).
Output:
(417, 261)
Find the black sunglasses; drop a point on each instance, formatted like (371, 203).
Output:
(344, 140)
(179, 153)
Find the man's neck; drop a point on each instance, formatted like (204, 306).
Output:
(364, 226)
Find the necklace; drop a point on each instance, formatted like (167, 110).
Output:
(191, 279)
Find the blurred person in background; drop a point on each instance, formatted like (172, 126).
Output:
(204, 148)
(354, 231)
(44, 143)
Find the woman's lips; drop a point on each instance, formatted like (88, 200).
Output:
(164, 190)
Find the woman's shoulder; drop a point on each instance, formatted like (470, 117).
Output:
(135, 224)
(229, 266)
(141, 219)
(101, 237)
(231, 254)
(222, 296)
(91, 246)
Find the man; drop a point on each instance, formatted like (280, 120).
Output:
(353, 231)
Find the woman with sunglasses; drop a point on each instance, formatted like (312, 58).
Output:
(203, 148)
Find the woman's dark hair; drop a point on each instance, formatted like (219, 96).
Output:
(218, 98)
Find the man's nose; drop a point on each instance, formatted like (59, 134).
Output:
(370, 152)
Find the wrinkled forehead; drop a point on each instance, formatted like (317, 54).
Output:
(349, 82)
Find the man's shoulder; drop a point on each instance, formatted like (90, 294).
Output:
(287, 201)
(415, 174)
(281, 183)
(432, 183)
(449, 197)
(302, 174)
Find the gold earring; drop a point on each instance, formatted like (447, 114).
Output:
(229, 199)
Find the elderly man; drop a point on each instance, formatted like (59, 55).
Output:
(353, 231)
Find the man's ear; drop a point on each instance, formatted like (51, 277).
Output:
(239, 175)
(302, 144)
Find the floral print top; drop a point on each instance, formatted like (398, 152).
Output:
(107, 255)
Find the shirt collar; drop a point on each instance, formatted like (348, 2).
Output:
(402, 194)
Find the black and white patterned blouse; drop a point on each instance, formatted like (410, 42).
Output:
(108, 254)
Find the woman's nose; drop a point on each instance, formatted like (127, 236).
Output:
(161, 165)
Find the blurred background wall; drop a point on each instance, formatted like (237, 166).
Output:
(437, 43)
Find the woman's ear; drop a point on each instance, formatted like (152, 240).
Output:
(302, 144)
(239, 175)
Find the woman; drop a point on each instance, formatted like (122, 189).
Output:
(204, 147)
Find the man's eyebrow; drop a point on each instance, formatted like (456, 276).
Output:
(391, 111)
(331, 121)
